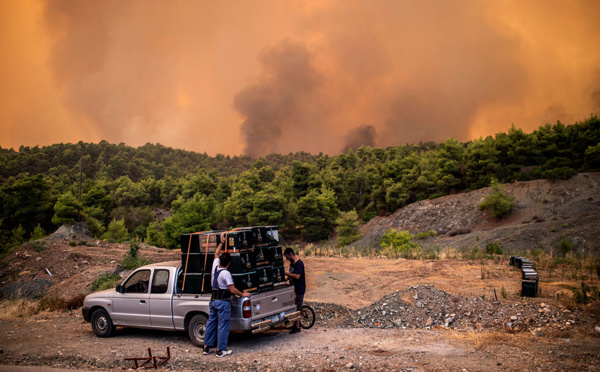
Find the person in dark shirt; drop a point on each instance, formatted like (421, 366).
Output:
(298, 278)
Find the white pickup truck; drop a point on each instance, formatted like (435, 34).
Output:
(151, 297)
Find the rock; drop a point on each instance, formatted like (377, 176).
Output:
(26, 272)
(597, 329)
(429, 322)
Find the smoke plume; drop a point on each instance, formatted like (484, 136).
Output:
(364, 135)
(262, 76)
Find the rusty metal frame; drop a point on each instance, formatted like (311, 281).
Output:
(157, 361)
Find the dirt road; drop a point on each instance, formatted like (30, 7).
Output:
(65, 340)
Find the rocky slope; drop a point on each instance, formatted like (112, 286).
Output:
(544, 213)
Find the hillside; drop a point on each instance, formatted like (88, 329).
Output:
(544, 213)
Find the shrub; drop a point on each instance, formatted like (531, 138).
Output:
(565, 246)
(132, 259)
(498, 203)
(73, 243)
(105, 281)
(503, 292)
(586, 294)
(38, 246)
(75, 302)
(398, 244)
(474, 253)
(52, 304)
(493, 248)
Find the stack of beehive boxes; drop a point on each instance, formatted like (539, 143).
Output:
(256, 258)
(529, 277)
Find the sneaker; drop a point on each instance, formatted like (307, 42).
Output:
(223, 353)
(295, 330)
(206, 350)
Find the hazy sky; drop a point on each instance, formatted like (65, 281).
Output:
(261, 76)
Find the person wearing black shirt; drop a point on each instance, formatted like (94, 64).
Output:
(298, 278)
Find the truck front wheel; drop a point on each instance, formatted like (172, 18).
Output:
(102, 324)
(197, 328)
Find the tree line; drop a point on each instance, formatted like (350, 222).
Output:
(126, 190)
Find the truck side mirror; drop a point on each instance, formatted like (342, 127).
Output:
(119, 288)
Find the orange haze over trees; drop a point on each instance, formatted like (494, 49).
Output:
(261, 76)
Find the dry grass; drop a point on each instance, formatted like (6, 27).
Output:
(481, 340)
(18, 309)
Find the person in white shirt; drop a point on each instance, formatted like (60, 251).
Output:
(217, 328)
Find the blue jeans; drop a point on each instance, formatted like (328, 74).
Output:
(220, 313)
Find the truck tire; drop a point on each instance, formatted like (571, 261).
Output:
(197, 328)
(102, 324)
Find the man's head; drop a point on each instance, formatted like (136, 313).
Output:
(225, 259)
(289, 254)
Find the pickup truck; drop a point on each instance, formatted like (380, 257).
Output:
(151, 297)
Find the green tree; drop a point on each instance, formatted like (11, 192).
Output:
(347, 228)
(317, 213)
(268, 207)
(66, 209)
(497, 202)
(117, 231)
(195, 214)
(18, 236)
(38, 233)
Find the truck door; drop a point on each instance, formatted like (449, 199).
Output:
(160, 300)
(132, 306)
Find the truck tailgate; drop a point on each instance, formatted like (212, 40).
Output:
(273, 302)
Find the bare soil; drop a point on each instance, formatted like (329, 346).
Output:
(338, 288)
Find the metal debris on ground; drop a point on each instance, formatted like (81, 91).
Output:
(157, 361)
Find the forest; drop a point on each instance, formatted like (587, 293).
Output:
(154, 193)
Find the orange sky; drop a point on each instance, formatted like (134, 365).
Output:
(260, 76)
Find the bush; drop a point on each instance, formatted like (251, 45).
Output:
(105, 281)
(586, 294)
(75, 302)
(503, 292)
(73, 243)
(52, 304)
(132, 259)
(493, 248)
(425, 235)
(498, 203)
(398, 244)
(565, 246)
(38, 246)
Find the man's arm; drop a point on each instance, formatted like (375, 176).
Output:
(293, 276)
(236, 292)
(218, 251)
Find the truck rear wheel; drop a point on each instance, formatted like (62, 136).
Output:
(197, 328)
(102, 324)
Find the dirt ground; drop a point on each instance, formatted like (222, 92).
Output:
(65, 340)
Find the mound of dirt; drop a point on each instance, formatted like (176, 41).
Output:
(66, 271)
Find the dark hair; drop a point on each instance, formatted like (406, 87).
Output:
(225, 259)
(288, 250)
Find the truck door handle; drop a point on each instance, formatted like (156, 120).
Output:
(142, 301)
(274, 299)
